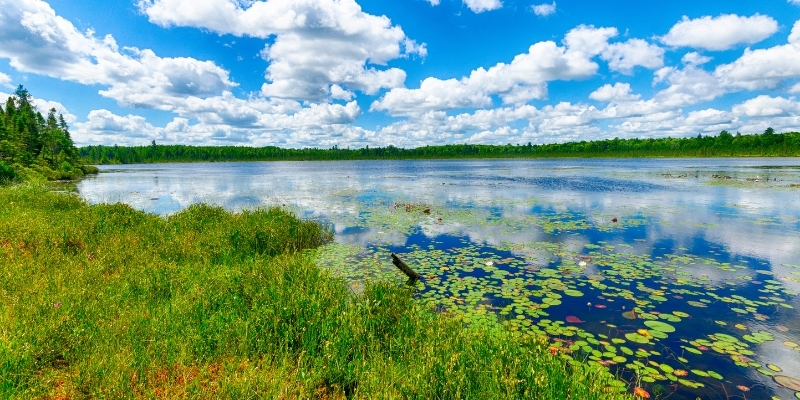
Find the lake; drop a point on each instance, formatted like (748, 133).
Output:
(680, 274)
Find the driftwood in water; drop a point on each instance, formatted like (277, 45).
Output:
(410, 273)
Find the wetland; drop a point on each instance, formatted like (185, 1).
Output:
(678, 275)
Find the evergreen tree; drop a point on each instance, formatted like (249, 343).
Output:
(30, 140)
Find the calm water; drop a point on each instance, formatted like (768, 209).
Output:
(682, 275)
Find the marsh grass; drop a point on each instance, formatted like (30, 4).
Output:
(105, 301)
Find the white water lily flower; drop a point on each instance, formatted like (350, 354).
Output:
(582, 263)
(489, 263)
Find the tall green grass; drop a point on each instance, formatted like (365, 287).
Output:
(105, 301)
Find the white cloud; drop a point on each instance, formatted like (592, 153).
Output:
(764, 68)
(619, 92)
(544, 10)
(588, 40)
(720, 33)
(337, 92)
(526, 77)
(479, 6)
(36, 40)
(434, 2)
(522, 80)
(766, 106)
(688, 86)
(317, 43)
(623, 57)
(710, 116)
(5, 80)
(694, 58)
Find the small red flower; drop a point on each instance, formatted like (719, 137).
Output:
(613, 220)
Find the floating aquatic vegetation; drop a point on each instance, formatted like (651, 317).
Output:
(788, 382)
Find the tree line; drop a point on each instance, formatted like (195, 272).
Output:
(767, 144)
(34, 145)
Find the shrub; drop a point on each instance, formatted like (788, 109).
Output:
(7, 173)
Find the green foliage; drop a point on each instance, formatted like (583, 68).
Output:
(37, 147)
(725, 145)
(107, 301)
(7, 173)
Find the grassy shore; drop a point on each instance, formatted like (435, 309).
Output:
(105, 301)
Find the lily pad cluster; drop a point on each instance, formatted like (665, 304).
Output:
(613, 302)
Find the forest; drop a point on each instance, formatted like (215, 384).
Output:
(36, 146)
(766, 144)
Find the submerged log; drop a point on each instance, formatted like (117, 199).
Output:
(410, 273)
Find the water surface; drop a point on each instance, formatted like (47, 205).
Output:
(679, 275)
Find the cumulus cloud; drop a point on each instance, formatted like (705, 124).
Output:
(694, 58)
(623, 57)
(687, 86)
(526, 77)
(544, 10)
(764, 68)
(767, 106)
(709, 117)
(36, 40)
(522, 80)
(323, 53)
(5, 80)
(619, 92)
(479, 6)
(720, 33)
(317, 43)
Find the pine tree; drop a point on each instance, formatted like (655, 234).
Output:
(28, 139)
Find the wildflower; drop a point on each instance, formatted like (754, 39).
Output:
(553, 350)
(641, 393)
(56, 305)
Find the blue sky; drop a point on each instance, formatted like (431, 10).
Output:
(319, 73)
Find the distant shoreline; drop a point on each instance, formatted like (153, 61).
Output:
(724, 145)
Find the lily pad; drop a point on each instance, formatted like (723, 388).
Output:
(680, 314)
(629, 314)
(660, 326)
(669, 317)
(788, 382)
(636, 338)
